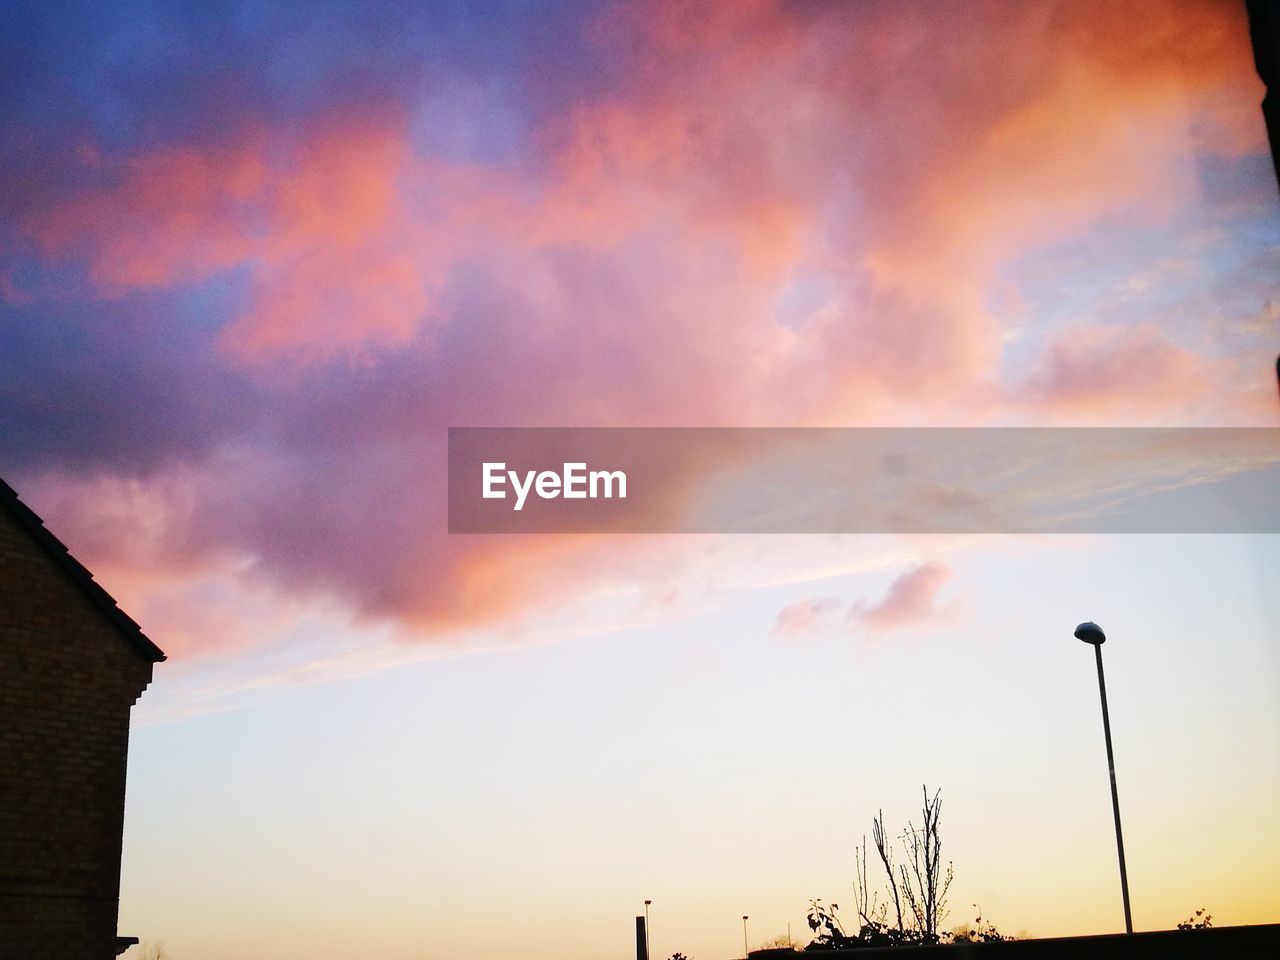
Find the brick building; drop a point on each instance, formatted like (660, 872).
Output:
(72, 665)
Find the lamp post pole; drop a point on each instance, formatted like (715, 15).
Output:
(648, 932)
(745, 951)
(1092, 634)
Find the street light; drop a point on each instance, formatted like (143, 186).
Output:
(1092, 634)
(648, 933)
(745, 951)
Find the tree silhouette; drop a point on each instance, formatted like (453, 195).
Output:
(919, 884)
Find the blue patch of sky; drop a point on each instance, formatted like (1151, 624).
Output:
(151, 70)
(210, 305)
(800, 299)
(815, 285)
(1202, 280)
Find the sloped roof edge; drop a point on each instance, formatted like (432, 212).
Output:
(79, 574)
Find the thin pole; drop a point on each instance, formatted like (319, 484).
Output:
(1115, 796)
(648, 933)
(745, 951)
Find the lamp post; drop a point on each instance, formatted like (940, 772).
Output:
(745, 951)
(648, 932)
(1092, 634)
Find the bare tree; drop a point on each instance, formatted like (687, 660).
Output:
(865, 900)
(924, 886)
(919, 883)
(870, 910)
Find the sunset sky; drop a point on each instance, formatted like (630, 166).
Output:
(257, 258)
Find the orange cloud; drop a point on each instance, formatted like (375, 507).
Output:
(885, 161)
(168, 216)
(741, 125)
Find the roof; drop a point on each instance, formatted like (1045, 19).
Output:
(82, 578)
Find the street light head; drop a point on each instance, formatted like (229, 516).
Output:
(1090, 632)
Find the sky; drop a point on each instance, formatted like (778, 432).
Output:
(257, 258)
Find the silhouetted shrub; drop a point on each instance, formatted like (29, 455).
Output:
(1197, 921)
(982, 931)
(916, 889)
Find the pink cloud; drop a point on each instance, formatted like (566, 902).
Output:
(911, 600)
(1090, 369)
(624, 270)
(803, 618)
(1031, 123)
(171, 215)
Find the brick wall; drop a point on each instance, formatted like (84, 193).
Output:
(68, 678)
